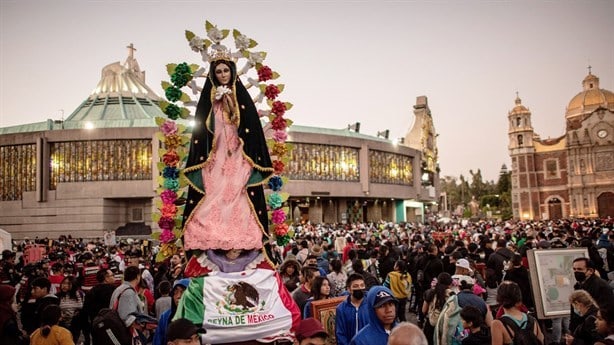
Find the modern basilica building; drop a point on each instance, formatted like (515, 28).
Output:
(568, 176)
(96, 170)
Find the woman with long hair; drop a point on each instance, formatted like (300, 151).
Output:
(320, 289)
(337, 277)
(50, 333)
(399, 282)
(434, 300)
(71, 303)
(502, 332)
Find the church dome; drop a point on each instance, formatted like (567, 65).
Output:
(518, 108)
(121, 98)
(591, 98)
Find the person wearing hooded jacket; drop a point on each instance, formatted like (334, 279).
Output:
(382, 317)
(352, 314)
(165, 319)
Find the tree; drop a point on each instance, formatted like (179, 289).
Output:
(497, 196)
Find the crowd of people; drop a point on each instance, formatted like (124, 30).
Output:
(462, 283)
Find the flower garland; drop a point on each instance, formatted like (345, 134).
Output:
(172, 187)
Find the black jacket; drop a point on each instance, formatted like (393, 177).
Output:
(586, 332)
(520, 276)
(598, 289)
(97, 298)
(497, 260)
(432, 267)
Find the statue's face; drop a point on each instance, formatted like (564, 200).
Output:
(233, 254)
(222, 73)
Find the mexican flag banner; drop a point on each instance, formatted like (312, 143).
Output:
(240, 306)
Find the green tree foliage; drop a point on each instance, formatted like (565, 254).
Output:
(493, 197)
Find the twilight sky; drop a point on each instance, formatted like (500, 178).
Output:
(341, 61)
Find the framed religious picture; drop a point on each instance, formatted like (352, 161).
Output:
(324, 311)
(552, 279)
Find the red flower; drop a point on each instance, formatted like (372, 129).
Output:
(279, 123)
(170, 158)
(278, 108)
(168, 210)
(281, 229)
(166, 223)
(264, 73)
(279, 167)
(271, 91)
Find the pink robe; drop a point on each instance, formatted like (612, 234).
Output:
(224, 218)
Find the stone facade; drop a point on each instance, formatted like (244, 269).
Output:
(568, 176)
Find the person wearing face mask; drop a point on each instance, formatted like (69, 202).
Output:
(585, 307)
(587, 279)
(353, 313)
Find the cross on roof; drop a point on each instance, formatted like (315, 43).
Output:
(589, 69)
(131, 50)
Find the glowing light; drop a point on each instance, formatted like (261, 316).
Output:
(89, 125)
(192, 123)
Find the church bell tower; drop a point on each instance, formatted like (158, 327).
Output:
(522, 151)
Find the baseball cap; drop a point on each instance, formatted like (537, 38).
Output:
(382, 298)
(308, 328)
(464, 264)
(182, 329)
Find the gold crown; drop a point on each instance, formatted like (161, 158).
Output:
(220, 53)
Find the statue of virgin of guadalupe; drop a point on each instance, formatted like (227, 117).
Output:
(227, 166)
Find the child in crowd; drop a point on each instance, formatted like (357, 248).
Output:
(479, 333)
(163, 303)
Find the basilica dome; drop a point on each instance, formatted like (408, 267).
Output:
(591, 98)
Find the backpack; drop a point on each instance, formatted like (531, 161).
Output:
(108, 328)
(523, 335)
(433, 312)
(450, 326)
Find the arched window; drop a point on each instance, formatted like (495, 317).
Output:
(520, 140)
(518, 121)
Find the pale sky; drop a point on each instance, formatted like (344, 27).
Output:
(341, 61)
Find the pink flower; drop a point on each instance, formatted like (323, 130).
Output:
(280, 136)
(278, 216)
(169, 127)
(166, 236)
(168, 196)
